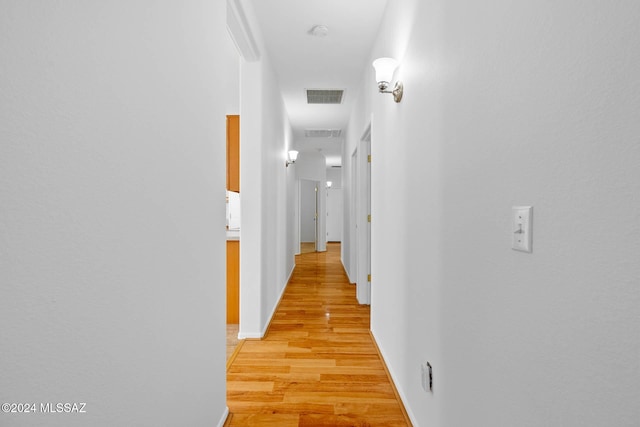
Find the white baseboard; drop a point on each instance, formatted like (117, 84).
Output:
(225, 415)
(347, 272)
(394, 378)
(275, 307)
(242, 335)
(290, 274)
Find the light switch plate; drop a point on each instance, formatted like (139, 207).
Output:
(522, 228)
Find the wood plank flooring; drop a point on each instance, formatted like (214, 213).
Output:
(317, 365)
(232, 339)
(307, 247)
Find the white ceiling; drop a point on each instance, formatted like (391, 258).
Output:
(303, 61)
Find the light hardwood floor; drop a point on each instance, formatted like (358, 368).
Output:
(307, 247)
(232, 339)
(318, 364)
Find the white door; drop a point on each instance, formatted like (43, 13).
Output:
(308, 211)
(353, 219)
(363, 218)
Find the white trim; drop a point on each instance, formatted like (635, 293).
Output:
(275, 307)
(225, 415)
(289, 277)
(243, 336)
(366, 135)
(362, 198)
(240, 31)
(346, 271)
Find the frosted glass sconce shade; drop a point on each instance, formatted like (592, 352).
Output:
(293, 156)
(385, 67)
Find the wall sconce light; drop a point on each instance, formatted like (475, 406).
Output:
(293, 156)
(329, 184)
(385, 67)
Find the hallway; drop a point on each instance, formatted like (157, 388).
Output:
(317, 365)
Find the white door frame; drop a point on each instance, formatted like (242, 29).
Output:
(362, 212)
(353, 223)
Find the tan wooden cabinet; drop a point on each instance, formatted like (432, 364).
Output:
(233, 281)
(233, 153)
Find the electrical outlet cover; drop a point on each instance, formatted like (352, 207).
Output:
(425, 377)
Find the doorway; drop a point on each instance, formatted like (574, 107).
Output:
(308, 215)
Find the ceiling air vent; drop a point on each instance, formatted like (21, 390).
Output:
(328, 96)
(322, 133)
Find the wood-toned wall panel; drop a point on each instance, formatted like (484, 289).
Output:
(233, 281)
(233, 153)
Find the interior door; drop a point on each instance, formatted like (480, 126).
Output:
(367, 189)
(315, 216)
(366, 218)
(363, 218)
(353, 218)
(308, 214)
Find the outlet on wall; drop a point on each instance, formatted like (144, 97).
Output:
(427, 377)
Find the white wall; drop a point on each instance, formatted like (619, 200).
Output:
(335, 176)
(311, 166)
(251, 200)
(276, 218)
(335, 214)
(266, 250)
(293, 215)
(335, 203)
(509, 104)
(266, 253)
(112, 238)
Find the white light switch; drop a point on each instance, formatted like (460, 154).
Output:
(522, 228)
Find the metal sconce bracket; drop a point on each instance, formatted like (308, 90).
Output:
(397, 91)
